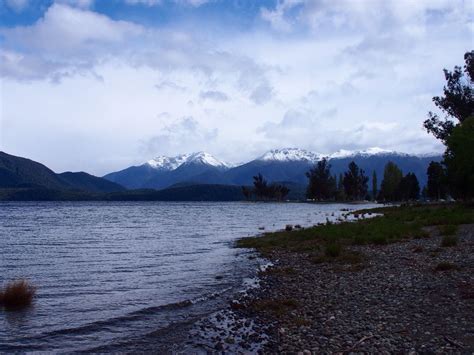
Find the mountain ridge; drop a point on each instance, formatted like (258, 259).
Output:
(285, 164)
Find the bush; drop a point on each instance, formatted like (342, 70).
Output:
(333, 250)
(17, 294)
(449, 241)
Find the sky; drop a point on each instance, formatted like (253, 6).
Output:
(99, 85)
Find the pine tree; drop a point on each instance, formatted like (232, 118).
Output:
(321, 183)
(374, 185)
(355, 182)
(392, 176)
(436, 185)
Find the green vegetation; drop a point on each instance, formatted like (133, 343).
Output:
(17, 295)
(449, 229)
(333, 250)
(262, 191)
(396, 223)
(456, 131)
(449, 241)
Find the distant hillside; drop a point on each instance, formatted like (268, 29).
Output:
(91, 183)
(183, 193)
(17, 172)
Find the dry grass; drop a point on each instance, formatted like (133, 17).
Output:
(17, 294)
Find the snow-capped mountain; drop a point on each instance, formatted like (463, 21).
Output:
(291, 154)
(281, 165)
(171, 163)
(374, 151)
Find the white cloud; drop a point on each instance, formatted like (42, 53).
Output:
(214, 95)
(104, 94)
(65, 41)
(17, 5)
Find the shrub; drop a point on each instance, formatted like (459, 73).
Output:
(17, 294)
(449, 241)
(333, 250)
(448, 229)
(288, 227)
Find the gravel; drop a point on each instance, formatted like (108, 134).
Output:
(392, 301)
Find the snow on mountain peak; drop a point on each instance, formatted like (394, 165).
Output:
(291, 154)
(171, 163)
(342, 153)
(205, 158)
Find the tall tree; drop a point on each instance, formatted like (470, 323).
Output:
(409, 188)
(260, 186)
(392, 176)
(457, 101)
(459, 160)
(340, 195)
(355, 182)
(436, 185)
(321, 184)
(374, 185)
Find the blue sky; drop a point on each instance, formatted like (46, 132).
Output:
(99, 85)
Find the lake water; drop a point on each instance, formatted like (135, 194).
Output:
(114, 276)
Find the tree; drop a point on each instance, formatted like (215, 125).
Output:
(457, 102)
(340, 193)
(409, 188)
(260, 186)
(263, 191)
(459, 160)
(374, 185)
(436, 188)
(247, 192)
(392, 176)
(355, 182)
(321, 184)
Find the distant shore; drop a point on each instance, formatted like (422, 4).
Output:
(344, 288)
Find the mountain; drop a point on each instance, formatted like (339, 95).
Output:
(22, 172)
(86, 182)
(17, 172)
(163, 172)
(288, 164)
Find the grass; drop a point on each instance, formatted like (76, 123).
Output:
(333, 250)
(448, 229)
(17, 295)
(449, 241)
(396, 223)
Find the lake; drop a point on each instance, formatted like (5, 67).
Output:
(114, 276)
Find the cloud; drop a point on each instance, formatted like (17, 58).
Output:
(185, 135)
(168, 84)
(65, 41)
(327, 132)
(17, 5)
(329, 15)
(144, 2)
(150, 3)
(218, 96)
(262, 93)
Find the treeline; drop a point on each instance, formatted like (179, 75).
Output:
(263, 191)
(353, 184)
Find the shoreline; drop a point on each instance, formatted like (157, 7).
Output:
(407, 295)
